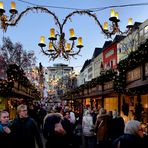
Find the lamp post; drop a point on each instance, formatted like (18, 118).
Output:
(58, 47)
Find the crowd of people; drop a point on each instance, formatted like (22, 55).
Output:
(22, 132)
(61, 127)
(109, 130)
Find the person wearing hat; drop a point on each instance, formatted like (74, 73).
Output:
(53, 131)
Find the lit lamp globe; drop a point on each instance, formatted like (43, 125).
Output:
(13, 8)
(80, 44)
(50, 47)
(114, 16)
(67, 47)
(1, 9)
(130, 23)
(117, 16)
(72, 34)
(52, 35)
(105, 27)
(42, 42)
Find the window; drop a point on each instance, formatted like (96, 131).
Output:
(96, 63)
(146, 29)
(109, 53)
(146, 32)
(90, 69)
(89, 76)
(111, 64)
(141, 33)
(114, 61)
(119, 50)
(136, 40)
(84, 80)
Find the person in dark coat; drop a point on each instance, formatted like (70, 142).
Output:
(33, 113)
(116, 126)
(102, 128)
(41, 113)
(69, 128)
(53, 131)
(25, 131)
(132, 137)
(5, 131)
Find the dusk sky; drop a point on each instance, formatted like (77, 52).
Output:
(33, 25)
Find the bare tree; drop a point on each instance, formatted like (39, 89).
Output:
(13, 53)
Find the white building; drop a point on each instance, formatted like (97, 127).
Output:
(132, 41)
(57, 79)
(97, 60)
(91, 67)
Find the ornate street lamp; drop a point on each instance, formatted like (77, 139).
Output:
(58, 46)
(114, 27)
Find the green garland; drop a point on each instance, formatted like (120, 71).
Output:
(134, 60)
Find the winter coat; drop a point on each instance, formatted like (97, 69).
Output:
(53, 139)
(25, 132)
(87, 126)
(5, 139)
(128, 141)
(69, 128)
(116, 128)
(102, 127)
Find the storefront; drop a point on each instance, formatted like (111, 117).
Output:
(2, 102)
(111, 103)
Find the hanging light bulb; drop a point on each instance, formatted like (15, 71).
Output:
(13, 8)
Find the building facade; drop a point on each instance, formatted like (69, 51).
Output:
(58, 78)
(125, 88)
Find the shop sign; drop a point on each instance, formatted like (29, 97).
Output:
(134, 74)
(85, 91)
(108, 85)
(100, 87)
(93, 89)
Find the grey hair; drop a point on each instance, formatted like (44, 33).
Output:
(3, 112)
(87, 112)
(102, 111)
(132, 127)
(115, 113)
